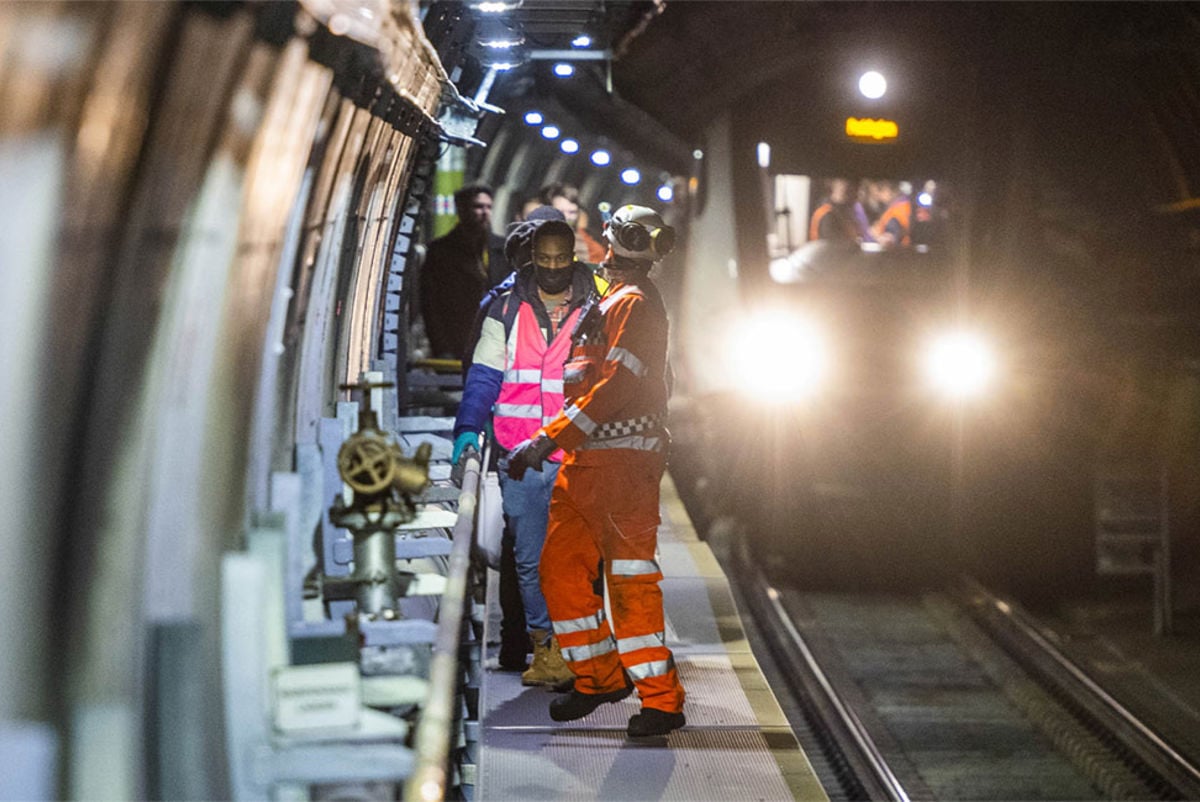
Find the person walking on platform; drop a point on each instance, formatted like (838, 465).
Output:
(605, 504)
(459, 267)
(516, 369)
(515, 642)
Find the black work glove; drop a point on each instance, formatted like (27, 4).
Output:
(527, 455)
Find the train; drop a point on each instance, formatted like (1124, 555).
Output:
(883, 412)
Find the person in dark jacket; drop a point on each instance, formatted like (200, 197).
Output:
(459, 268)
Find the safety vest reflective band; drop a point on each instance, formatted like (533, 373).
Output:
(574, 654)
(533, 411)
(653, 668)
(625, 645)
(531, 393)
(623, 356)
(633, 567)
(533, 377)
(588, 622)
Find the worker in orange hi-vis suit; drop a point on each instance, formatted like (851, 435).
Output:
(604, 505)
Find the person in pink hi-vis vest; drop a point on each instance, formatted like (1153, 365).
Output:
(516, 378)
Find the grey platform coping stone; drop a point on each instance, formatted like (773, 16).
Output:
(425, 423)
(736, 745)
(439, 494)
(443, 447)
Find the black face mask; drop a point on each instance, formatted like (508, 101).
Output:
(551, 281)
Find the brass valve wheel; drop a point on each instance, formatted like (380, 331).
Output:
(367, 462)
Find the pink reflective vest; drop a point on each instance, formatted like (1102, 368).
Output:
(531, 393)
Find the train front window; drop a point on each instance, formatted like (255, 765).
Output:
(824, 224)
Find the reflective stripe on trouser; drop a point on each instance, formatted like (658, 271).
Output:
(610, 513)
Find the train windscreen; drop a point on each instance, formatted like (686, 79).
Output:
(823, 226)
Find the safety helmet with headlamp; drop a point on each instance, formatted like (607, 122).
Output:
(637, 232)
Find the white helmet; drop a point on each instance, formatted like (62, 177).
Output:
(636, 232)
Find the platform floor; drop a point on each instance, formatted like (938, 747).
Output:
(737, 743)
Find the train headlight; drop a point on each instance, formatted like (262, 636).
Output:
(777, 357)
(961, 365)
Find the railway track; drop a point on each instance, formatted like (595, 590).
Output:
(952, 695)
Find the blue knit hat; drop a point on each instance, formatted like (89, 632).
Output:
(518, 246)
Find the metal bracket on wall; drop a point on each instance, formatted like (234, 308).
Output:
(459, 118)
(393, 341)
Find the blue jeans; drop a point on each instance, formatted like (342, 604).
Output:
(526, 513)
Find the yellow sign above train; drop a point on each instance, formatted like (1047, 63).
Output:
(868, 128)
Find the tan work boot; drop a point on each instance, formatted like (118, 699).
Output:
(548, 666)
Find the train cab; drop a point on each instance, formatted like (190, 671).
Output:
(867, 393)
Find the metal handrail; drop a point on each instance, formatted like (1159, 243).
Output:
(430, 775)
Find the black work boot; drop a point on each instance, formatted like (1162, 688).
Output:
(577, 705)
(652, 722)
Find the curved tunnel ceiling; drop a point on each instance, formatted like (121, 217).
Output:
(1072, 60)
(674, 70)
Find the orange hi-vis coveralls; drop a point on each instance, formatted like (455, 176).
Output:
(605, 502)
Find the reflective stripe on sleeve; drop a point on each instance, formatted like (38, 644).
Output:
(633, 567)
(574, 654)
(640, 642)
(623, 356)
(653, 668)
(577, 416)
(552, 386)
(533, 411)
(588, 622)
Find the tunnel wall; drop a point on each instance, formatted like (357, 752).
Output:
(200, 212)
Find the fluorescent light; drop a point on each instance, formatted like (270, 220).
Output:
(496, 7)
(551, 132)
(569, 146)
(564, 70)
(872, 85)
(630, 175)
(665, 193)
(582, 40)
(764, 155)
(601, 158)
(534, 118)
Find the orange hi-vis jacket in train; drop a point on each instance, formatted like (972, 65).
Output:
(843, 229)
(605, 501)
(900, 213)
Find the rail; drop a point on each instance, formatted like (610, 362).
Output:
(435, 730)
(1012, 626)
(848, 734)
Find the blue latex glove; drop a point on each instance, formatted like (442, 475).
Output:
(462, 443)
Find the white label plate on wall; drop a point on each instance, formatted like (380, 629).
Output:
(319, 696)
